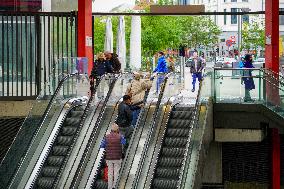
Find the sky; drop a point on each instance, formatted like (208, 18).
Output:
(107, 5)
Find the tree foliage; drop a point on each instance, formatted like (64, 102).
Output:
(253, 35)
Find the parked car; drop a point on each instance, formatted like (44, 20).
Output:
(228, 62)
(259, 63)
(219, 62)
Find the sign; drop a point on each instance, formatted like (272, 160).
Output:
(88, 41)
(233, 38)
(229, 42)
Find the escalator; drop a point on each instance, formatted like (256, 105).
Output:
(83, 166)
(143, 140)
(171, 156)
(60, 149)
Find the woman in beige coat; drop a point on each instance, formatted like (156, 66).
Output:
(136, 89)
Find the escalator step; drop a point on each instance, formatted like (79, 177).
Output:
(182, 108)
(164, 184)
(64, 140)
(170, 162)
(175, 142)
(68, 131)
(45, 182)
(60, 150)
(181, 114)
(177, 132)
(79, 108)
(172, 173)
(100, 184)
(50, 171)
(179, 123)
(173, 152)
(55, 160)
(76, 113)
(72, 121)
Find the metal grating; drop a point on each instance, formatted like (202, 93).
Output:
(8, 131)
(246, 162)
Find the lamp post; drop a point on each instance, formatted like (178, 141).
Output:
(240, 23)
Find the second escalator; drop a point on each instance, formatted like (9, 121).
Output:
(171, 156)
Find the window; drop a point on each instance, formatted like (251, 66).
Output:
(245, 18)
(281, 17)
(225, 17)
(234, 18)
(224, 1)
(233, 0)
(245, 1)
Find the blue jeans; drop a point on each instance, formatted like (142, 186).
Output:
(194, 76)
(160, 80)
(135, 115)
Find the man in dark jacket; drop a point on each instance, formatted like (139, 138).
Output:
(196, 66)
(113, 144)
(124, 117)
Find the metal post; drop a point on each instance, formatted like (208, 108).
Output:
(239, 31)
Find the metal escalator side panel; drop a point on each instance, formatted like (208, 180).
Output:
(93, 136)
(146, 172)
(39, 115)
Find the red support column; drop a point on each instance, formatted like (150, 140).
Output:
(85, 31)
(275, 159)
(272, 46)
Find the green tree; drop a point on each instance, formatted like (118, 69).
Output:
(253, 35)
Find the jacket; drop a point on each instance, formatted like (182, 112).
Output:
(136, 89)
(161, 66)
(248, 80)
(99, 68)
(113, 145)
(113, 65)
(124, 117)
(196, 68)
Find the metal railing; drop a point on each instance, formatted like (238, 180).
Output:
(30, 45)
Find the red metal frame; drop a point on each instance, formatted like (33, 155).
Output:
(85, 31)
(275, 176)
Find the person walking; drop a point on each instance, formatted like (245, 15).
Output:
(196, 67)
(161, 69)
(136, 90)
(125, 117)
(247, 79)
(113, 144)
(98, 70)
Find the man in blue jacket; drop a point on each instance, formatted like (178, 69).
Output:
(162, 69)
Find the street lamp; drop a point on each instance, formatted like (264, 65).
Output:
(240, 23)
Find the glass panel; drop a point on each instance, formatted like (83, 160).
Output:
(41, 118)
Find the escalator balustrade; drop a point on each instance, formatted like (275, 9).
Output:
(171, 156)
(60, 149)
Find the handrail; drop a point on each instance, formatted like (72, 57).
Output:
(149, 134)
(93, 89)
(45, 114)
(74, 183)
(133, 138)
(193, 124)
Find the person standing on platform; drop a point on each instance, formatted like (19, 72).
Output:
(113, 144)
(98, 70)
(247, 79)
(196, 67)
(161, 69)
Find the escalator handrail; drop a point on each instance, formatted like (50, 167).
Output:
(154, 114)
(141, 115)
(47, 110)
(37, 169)
(116, 104)
(45, 114)
(82, 121)
(76, 178)
(267, 74)
(193, 124)
(164, 120)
